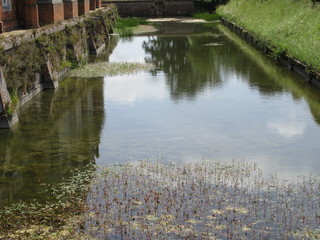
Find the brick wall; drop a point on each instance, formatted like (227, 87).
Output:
(151, 8)
(98, 3)
(32, 14)
(9, 18)
(70, 9)
(84, 6)
(50, 12)
(92, 4)
(1, 23)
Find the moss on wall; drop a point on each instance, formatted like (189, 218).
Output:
(58, 47)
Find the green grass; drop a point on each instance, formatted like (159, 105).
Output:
(287, 25)
(206, 16)
(124, 26)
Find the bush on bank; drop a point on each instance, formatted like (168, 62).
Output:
(289, 26)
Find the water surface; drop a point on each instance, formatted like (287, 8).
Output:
(210, 96)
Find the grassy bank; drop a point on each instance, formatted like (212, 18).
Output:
(289, 26)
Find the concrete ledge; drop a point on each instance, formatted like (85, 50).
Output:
(293, 64)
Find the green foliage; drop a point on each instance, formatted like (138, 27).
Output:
(290, 26)
(21, 67)
(124, 26)
(207, 16)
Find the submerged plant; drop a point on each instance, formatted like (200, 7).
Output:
(58, 219)
(204, 200)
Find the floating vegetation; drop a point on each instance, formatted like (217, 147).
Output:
(204, 200)
(152, 200)
(212, 45)
(102, 69)
(58, 219)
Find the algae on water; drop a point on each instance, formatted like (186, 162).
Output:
(103, 69)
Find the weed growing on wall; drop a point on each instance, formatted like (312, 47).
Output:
(20, 68)
(63, 49)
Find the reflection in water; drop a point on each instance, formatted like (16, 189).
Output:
(289, 129)
(210, 96)
(184, 59)
(58, 131)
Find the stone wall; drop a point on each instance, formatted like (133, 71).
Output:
(36, 59)
(154, 8)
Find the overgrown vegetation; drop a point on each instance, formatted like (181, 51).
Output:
(102, 69)
(124, 26)
(290, 27)
(60, 218)
(206, 16)
(153, 200)
(63, 49)
(203, 200)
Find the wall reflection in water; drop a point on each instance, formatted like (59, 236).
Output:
(58, 132)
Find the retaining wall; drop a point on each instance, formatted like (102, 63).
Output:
(293, 64)
(36, 59)
(154, 8)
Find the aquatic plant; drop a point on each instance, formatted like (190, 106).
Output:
(102, 69)
(58, 219)
(153, 200)
(203, 200)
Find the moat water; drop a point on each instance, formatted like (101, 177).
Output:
(210, 96)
